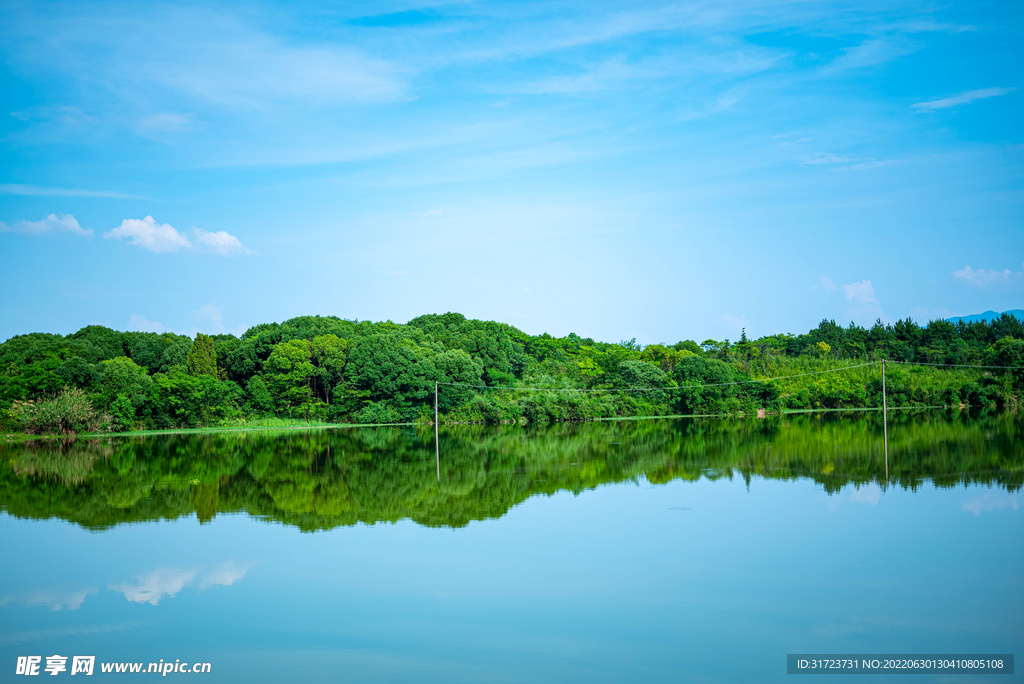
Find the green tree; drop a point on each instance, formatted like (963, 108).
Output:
(635, 374)
(289, 374)
(202, 357)
(121, 376)
(259, 397)
(328, 356)
(455, 365)
(123, 413)
(197, 400)
(390, 369)
(664, 357)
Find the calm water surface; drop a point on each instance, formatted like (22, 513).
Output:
(655, 551)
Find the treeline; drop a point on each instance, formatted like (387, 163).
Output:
(320, 479)
(335, 370)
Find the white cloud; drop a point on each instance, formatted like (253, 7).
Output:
(64, 223)
(153, 586)
(983, 277)
(148, 234)
(219, 242)
(140, 323)
(864, 305)
(992, 501)
(54, 600)
(963, 98)
(827, 284)
(163, 237)
(223, 575)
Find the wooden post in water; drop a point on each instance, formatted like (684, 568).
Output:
(885, 427)
(437, 445)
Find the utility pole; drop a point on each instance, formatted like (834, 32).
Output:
(885, 427)
(437, 445)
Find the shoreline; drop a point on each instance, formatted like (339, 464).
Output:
(23, 437)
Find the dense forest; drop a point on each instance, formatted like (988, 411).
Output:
(329, 369)
(320, 479)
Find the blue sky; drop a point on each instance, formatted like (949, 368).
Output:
(651, 170)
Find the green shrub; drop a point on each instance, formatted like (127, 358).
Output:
(68, 412)
(378, 412)
(123, 413)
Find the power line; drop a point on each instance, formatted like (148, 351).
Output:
(954, 365)
(657, 389)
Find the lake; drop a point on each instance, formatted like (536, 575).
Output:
(654, 551)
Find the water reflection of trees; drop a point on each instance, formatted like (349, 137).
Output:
(323, 479)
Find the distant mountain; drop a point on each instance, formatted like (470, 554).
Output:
(987, 316)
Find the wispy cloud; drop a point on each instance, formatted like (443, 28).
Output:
(843, 162)
(992, 501)
(224, 575)
(42, 191)
(922, 314)
(53, 599)
(205, 54)
(963, 98)
(74, 117)
(864, 305)
(825, 158)
(734, 323)
(51, 225)
(868, 494)
(256, 70)
(211, 321)
(166, 122)
(64, 632)
(156, 237)
(983, 277)
(140, 323)
(930, 25)
(718, 60)
(870, 53)
(219, 242)
(602, 77)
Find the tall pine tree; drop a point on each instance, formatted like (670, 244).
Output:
(202, 357)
